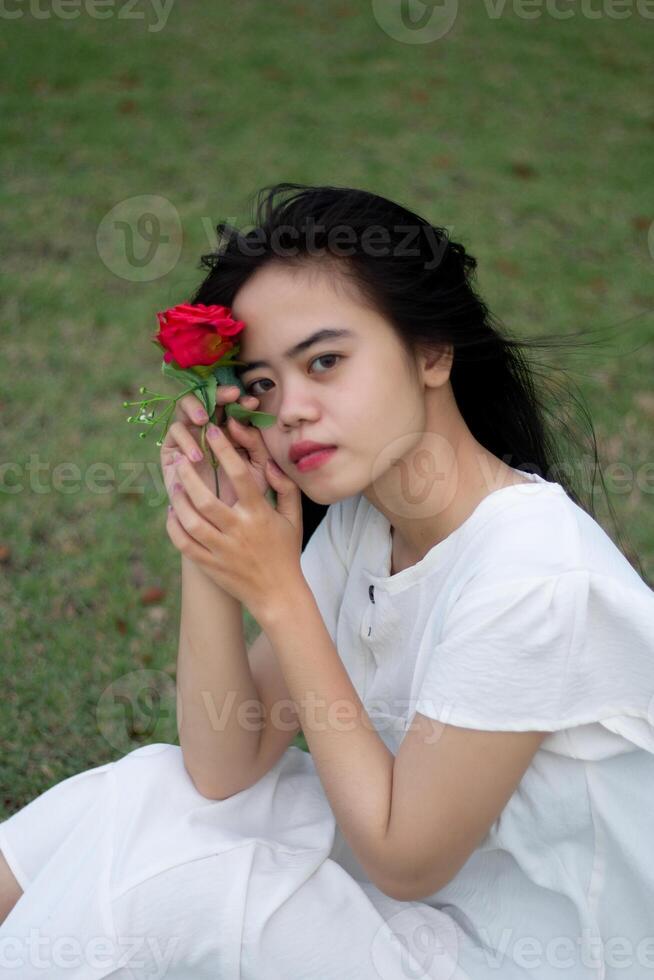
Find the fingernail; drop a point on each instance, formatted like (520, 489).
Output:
(213, 431)
(196, 456)
(201, 417)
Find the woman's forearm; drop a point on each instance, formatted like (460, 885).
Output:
(354, 764)
(218, 709)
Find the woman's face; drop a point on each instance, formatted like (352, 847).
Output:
(357, 392)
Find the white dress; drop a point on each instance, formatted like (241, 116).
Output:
(525, 617)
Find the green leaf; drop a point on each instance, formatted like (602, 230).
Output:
(208, 395)
(185, 376)
(205, 389)
(226, 376)
(262, 420)
(203, 370)
(301, 742)
(230, 356)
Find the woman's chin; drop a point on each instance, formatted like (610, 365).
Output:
(324, 496)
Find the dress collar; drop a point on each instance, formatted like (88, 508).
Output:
(377, 571)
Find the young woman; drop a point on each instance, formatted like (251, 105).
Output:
(468, 654)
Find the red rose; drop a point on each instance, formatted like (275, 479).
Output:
(195, 334)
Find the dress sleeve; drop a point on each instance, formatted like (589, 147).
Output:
(325, 560)
(546, 653)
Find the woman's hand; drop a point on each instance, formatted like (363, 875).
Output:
(250, 549)
(182, 442)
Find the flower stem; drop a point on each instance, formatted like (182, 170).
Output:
(214, 461)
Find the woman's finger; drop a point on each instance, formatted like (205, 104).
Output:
(194, 523)
(236, 469)
(197, 492)
(191, 409)
(249, 401)
(250, 437)
(184, 542)
(180, 436)
(224, 395)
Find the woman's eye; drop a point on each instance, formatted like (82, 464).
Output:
(250, 388)
(323, 356)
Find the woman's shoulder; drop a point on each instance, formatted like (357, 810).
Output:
(537, 529)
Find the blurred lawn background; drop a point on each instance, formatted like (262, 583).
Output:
(531, 140)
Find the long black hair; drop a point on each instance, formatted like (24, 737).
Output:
(421, 282)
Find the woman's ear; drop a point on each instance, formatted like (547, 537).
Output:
(436, 365)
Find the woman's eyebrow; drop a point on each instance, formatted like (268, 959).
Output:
(326, 333)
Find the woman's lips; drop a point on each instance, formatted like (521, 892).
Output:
(312, 460)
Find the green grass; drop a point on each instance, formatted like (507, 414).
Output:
(530, 140)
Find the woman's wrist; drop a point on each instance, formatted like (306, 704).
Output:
(281, 606)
